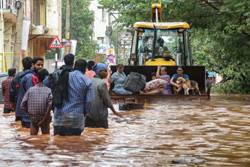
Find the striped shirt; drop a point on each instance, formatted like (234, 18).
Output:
(71, 114)
(6, 94)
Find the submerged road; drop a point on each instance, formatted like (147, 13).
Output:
(166, 133)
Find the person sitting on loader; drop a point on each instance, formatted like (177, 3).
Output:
(160, 83)
(118, 79)
(173, 81)
(146, 47)
(162, 74)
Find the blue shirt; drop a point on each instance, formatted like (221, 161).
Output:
(176, 76)
(119, 79)
(71, 114)
(25, 84)
(167, 88)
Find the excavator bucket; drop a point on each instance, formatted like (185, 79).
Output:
(196, 73)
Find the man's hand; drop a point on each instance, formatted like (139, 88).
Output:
(40, 123)
(118, 114)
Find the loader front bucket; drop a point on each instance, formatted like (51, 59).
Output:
(196, 73)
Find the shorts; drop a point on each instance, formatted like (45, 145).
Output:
(96, 124)
(65, 131)
(45, 127)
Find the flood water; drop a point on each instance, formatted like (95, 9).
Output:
(194, 132)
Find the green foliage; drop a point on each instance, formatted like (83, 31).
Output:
(81, 27)
(220, 33)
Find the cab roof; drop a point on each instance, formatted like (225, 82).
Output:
(162, 25)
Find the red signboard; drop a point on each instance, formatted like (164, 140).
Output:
(55, 43)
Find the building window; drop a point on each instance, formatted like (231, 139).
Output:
(102, 13)
(39, 12)
(100, 40)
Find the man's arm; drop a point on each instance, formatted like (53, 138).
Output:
(24, 104)
(88, 98)
(173, 83)
(103, 90)
(158, 72)
(3, 89)
(111, 77)
(49, 108)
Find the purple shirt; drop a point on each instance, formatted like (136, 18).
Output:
(167, 88)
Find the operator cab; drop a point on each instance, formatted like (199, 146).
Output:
(161, 44)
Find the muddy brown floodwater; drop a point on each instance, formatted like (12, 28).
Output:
(166, 133)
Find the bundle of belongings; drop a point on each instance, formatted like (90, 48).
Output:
(135, 82)
(155, 84)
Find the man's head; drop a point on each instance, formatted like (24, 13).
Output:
(91, 65)
(41, 74)
(153, 75)
(11, 72)
(80, 65)
(179, 70)
(69, 59)
(37, 63)
(27, 63)
(163, 70)
(120, 68)
(101, 70)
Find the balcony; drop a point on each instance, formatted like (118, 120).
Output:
(45, 18)
(9, 10)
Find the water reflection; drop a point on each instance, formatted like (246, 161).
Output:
(166, 133)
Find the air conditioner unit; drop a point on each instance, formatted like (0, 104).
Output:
(39, 29)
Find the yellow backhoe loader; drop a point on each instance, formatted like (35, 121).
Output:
(167, 44)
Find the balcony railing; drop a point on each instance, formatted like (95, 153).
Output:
(8, 5)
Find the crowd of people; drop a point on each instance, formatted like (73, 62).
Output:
(77, 93)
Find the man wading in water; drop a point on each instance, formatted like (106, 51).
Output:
(97, 117)
(69, 116)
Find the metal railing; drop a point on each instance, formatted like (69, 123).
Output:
(8, 4)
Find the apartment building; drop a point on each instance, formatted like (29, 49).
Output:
(101, 26)
(26, 29)
(8, 15)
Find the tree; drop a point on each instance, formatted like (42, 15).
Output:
(81, 22)
(220, 33)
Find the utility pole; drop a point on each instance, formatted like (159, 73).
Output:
(18, 40)
(68, 14)
(68, 25)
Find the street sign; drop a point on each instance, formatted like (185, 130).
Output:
(55, 43)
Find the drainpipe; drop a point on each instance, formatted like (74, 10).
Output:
(2, 34)
(18, 37)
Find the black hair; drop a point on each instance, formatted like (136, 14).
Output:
(179, 67)
(27, 63)
(153, 74)
(90, 65)
(165, 68)
(11, 72)
(80, 65)
(160, 41)
(36, 59)
(41, 74)
(119, 66)
(69, 59)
